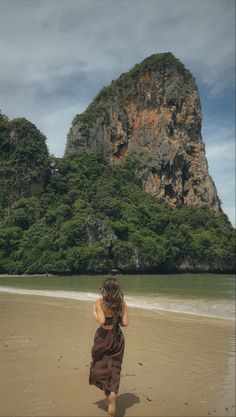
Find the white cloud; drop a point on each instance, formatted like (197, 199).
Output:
(220, 152)
(220, 143)
(57, 125)
(230, 211)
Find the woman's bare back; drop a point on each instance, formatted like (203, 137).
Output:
(105, 315)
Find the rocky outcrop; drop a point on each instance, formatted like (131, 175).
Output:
(192, 265)
(98, 232)
(153, 112)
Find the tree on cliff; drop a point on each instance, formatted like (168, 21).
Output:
(24, 160)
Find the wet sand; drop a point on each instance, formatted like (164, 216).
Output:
(174, 364)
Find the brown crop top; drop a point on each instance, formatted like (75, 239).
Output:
(109, 320)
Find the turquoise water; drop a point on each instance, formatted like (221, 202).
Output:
(203, 294)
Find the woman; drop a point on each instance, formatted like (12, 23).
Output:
(108, 349)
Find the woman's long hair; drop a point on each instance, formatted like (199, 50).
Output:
(112, 296)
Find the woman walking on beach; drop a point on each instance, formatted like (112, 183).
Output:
(110, 312)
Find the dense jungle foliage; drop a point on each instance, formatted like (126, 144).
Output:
(78, 214)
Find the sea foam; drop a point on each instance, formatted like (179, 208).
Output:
(201, 307)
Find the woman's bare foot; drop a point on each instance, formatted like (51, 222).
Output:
(111, 404)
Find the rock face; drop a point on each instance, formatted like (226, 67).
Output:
(152, 113)
(98, 232)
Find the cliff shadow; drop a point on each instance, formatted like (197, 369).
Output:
(123, 402)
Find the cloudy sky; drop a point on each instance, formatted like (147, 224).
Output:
(56, 55)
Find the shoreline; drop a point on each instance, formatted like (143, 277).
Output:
(90, 296)
(120, 273)
(174, 364)
(26, 275)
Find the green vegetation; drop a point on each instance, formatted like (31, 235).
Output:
(89, 117)
(78, 214)
(24, 160)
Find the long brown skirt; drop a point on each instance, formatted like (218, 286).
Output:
(107, 356)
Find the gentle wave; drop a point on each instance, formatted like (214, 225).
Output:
(71, 295)
(200, 307)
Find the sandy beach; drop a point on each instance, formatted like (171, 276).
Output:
(174, 364)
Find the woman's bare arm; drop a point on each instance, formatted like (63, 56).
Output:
(98, 312)
(95, 312)
(125, 318)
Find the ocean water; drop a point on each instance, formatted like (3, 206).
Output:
(201, 294)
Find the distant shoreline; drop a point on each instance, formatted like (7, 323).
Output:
(25, 275)
(181, 272)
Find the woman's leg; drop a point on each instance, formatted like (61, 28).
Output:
(107, 393)
(111, 404)
(107, 401)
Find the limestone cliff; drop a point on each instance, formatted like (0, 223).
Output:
(152, 112)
